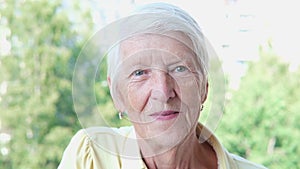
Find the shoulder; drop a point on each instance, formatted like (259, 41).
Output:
(95, 146)
(242, 163)
(95, 131)
(98, 134)
(99, 137)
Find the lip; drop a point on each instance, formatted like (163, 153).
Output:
(165, 115)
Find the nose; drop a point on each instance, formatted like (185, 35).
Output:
(162, 86)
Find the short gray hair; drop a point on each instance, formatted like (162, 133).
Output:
(161, 18)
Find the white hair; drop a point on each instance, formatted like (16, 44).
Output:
(162, 18)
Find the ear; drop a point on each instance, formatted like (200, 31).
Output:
(109, 82)
(204, 95)
(115, 95)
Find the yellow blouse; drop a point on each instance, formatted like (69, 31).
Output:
(112, 148)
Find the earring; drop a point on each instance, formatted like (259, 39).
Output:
(201, 107)
(120, 115)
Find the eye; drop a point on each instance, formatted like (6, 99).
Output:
(180, 69)
(139, 72)
(140, 75)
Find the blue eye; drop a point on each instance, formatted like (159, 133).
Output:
(180, 69)
(138, 72)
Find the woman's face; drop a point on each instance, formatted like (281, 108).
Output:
(160, 85)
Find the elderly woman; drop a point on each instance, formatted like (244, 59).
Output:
(157, 75)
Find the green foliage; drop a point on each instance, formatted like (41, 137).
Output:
(36, 106)
(261, 119)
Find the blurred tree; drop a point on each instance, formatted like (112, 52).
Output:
(261, 119)
(35, 98)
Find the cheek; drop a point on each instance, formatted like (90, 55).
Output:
(190, 89)
(190, 94)
(191, 101)
(137, 96)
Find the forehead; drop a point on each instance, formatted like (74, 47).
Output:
(175, 43)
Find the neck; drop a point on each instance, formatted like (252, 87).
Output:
(187, 155)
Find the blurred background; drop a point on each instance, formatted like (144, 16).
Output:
(256, 41)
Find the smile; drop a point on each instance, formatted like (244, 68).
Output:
(165, 115)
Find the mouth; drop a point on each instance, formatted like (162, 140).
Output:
(165, 115)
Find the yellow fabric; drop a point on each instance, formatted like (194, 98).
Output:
(104, 148)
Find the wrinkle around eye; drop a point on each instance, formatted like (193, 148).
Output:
(139, 75)
(180, 71)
